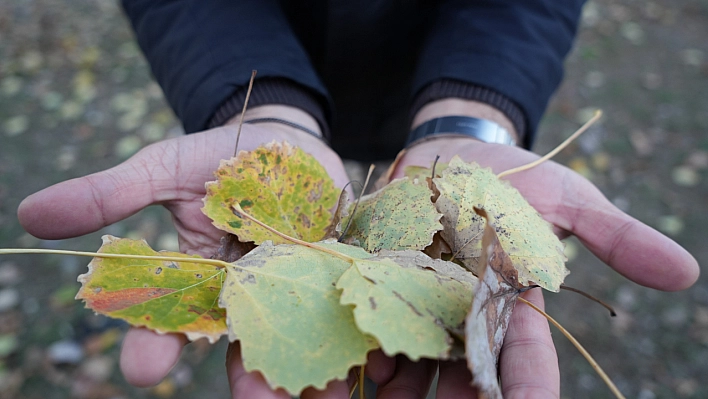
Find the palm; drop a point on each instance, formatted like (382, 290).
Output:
(574, 206)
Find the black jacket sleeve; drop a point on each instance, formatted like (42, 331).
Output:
(512, 47)
(201, 52)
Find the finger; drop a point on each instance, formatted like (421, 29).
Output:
(634, 249)
(411, 380)
(379, 367)
(335, 390)
(146, 357)
(454, 381)
(245, 385)
(528, 362)
(164, 172)
(83, 205)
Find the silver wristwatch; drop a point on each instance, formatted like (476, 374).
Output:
(481, 129)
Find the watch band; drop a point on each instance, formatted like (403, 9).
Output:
(481, 129)
(287, 123)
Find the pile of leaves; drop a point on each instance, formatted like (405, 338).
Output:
(429, 266)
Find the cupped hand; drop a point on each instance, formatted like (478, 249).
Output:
(171, 173)
(528, 362)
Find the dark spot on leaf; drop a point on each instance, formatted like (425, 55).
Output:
(97, 290)
(173, 265)
(250, 279)
(215, 314)
(198, 275)
(410, 305)
(196, 309)
(148, 318)
(372, 302)
(306, 223)
(263, 159)
(158, 270)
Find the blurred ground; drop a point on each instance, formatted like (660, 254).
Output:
(76, 97)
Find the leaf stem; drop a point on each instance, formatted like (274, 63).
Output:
(580, 348)
(243, 112)
(362, 394)
(213, 262)
(356, 204)
(590, 297)
(237, 208)
(556, 150)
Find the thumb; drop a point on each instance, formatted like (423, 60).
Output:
(86, 204)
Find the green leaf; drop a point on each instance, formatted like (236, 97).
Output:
(163, 296)
(535, 251)
(400, 216)
(277, 184)
(284, 308)
(408, 301)
(422, 173)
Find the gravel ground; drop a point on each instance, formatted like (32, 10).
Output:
(76, 97)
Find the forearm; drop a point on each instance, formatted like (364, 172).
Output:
(509, 53)
(202, 53)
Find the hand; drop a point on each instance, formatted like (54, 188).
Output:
(573, 205)
(171, 173)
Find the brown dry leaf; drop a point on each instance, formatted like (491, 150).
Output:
(438, 248)
(231, 249)
(335, 227)
(487, 322)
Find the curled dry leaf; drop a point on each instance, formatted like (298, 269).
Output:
(168, 297)
(335, 227)
(487, 321)
(231, 249)
(278, 184)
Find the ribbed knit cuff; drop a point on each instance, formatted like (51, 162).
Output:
(448, 88)
(268, 91)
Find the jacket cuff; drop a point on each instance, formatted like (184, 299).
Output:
(268, 91)
(449, 88)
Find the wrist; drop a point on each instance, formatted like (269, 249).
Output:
(280, 118)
